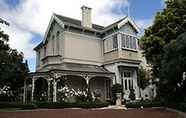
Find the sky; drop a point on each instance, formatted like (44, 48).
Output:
(29, 18)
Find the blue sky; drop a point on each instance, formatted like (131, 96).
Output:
(29, 18)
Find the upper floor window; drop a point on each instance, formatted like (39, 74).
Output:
(57, 41)
(44, 51)
(129, 42)
(114, 42)
(111, 43)
(38, 57)
(53, 44)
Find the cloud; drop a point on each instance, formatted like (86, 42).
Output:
(30, 17)
(144, 23)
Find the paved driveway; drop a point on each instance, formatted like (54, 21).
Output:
(83, 113)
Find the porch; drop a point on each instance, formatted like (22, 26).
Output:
(50, 85)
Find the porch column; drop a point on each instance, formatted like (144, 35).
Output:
(48, 89)
(54, 90)
(33, 88)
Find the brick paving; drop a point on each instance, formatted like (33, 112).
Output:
(84, 113)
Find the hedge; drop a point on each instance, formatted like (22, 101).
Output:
(144, 104)
(17, 105)
(178, 106)
(55, 105)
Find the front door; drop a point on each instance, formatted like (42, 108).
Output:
(127, 78)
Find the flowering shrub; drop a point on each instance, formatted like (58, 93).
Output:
(64, 93)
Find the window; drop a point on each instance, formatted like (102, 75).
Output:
(53, 44)
(126, 85)
(44, 51)
(127, 74)
(38, 57)
(110, 43)
(129, 42)
(123, 38)
(129, 84)
(134, 43)
(115, 42)
(57, 42)
(128, 79)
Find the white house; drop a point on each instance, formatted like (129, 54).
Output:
(88, 54)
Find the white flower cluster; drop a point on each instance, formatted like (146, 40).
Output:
(4, 90)
(67, 92)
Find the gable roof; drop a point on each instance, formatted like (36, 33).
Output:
(77, 22)
(63, 20)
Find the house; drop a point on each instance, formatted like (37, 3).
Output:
(86, 54)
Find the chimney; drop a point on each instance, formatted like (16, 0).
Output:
(86, 17)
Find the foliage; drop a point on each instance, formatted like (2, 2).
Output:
(144, 76)
(52, 105)
(173, 66)
(117, 88)
(178, 106)
(12, 69)
(144, 104)
(164, 50)
(132, 95)
(17, 105)
(41, 87)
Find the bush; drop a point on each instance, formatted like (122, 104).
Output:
(17, 105)
(117, 88)
(145, 104)
(56, 105)
(132, 95)
(178, 106)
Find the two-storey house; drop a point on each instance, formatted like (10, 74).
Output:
(88, 54)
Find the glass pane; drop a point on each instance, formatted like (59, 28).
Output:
(127, 41)
(115, 42)
(129, 84)
(130, 42)
(125, 84)
(134, 43)
(123, 40)
(127, 74)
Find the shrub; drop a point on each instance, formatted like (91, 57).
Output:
(17, 105)
(55, 105)
(178, 106)
(117, 88)
(132, 95)
(145, 104)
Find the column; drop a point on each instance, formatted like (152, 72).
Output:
(48, 90)
(54, 90)
(24, 93)
(33, 87)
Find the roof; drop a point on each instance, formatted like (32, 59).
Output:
(114, 24)
(95, 27)
(77, 68)
(77, 22)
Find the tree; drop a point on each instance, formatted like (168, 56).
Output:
(144, 76)
(12, 69)
(173, 66)
(159, 43)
